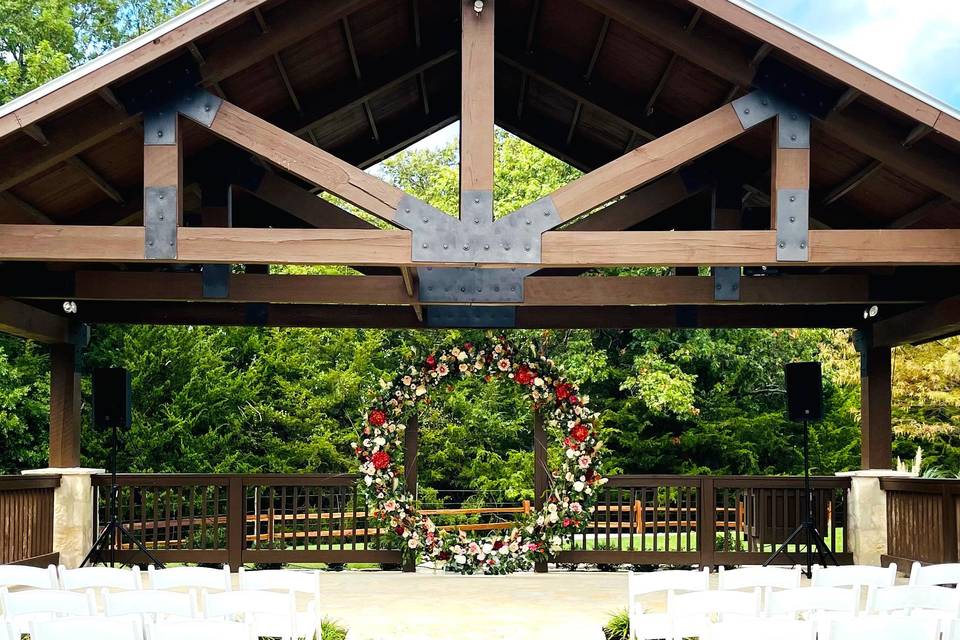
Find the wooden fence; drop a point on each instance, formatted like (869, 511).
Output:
(921, 520)
(323, 518)
(26, 519)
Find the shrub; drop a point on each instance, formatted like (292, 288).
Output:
(331, 630)
(617, 627)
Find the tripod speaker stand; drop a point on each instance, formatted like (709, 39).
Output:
(805, 403)
(111, 408)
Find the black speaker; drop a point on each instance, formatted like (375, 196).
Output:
(804, 391)
(111, 398)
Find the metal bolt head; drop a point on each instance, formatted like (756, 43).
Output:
(424, 245)
(446, 246)
(782, 244)
(793, 198)
(206, 107)
(526, 247)
(764, 102)
(793, 219)
(735, 287)
(546, 214)
(793, 137)
(747, 110)
(463, 289)
(803, 245)
(466, 247)
(506, 246)
(486, 247)
(159, 133)
(528, 221)
(476, 201)
(430, 288)
(160, 196)
(425, 219)
(171, 243)
(719, 286)
(793, 116)
(476, 221)
(150, 242)
(407, 210)
(496, 288)
(161, 216)
(513, 288)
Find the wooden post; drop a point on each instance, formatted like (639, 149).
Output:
(949, 510)
(162, 184)
(64, 406)
(707, 522)
(411, 441)
(541, 479)
(476, 99)
(236, 540)
(875, 405)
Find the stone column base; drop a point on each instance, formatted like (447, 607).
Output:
(73, 530)
(866, 528)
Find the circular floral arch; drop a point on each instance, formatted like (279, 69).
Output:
(569, 502)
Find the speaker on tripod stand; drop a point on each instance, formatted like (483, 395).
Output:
(804, 382)
(111, 410)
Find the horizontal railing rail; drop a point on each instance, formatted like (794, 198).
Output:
(26, 519)
(639, 519)
(922, 523)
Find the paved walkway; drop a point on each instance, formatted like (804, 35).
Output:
(398, 606)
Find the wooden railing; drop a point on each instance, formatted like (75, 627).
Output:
(26, 519)
(921, 520)
(323, 518)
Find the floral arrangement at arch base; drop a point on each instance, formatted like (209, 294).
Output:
(569, 503)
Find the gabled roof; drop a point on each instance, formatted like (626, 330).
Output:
(583, 79)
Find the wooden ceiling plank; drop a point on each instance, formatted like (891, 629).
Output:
(647, 162)
(306, 161)
(25, 207)
(476, 97)
(310, 208)
(931, 322)
(851, 183)
(565, 249)
(640, 205)
(920, 213)
(228, 58)
(98, 180)
(24, 321)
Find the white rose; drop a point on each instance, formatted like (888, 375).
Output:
(571, 453)
(368, 480)
(504, 550)
(578, 486)
(553, 517)
(460, 559)
(487, 548)
(538, 382)
(380, 441)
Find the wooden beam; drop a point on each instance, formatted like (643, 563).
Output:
(647, 162)
(287, 28)
(597, 47)
(306, 161)
(790, 170)
(640, 205)
(24, 321)
(573, 249)
(101, 183)
(409, 285)
(916, 134)
(25, 207)
(846, 99)
(931, 322)
(539, 291)
(919, 214)
(163, 170)
(64, 407)
(661, 83)
(35, 132)
(282, 70)
(851, 183)
(476, 97)
(876, 432)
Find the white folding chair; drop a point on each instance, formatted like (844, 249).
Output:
(92, 628)
(100, 578)
(883, 628)
(15, 575)
(307, 621)
(190, 578)
(930, 575)
(761, 629)
(270, 613)
(39, 605)
(149, 606)
(932, 602)
(855, 577)
(765, 578)
(693, 613)
(817, 605)
(200, 630)
(651, 625)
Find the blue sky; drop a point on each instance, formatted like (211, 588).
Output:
(915, 41)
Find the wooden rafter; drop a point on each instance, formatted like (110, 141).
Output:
(851, 183)
(476, 97)
(647, 162)
(19, 319)
(310, 208)
(401, 290)
(25, 207)
(572, 249)
(931, 322)
(94, 176)
(640, 205)
(918, 214)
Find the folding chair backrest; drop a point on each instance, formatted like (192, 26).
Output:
(908, 597)
(85, 629)
(100, 578)
(280, 580)
(761, 629)
(884, 628)
(54, 601)
(14, 575)
(935, 574)
(157, 604)
(763, 577)
(190, 578)
(232, 604)
(709, 603)
(791, 601)
(854, 576)
(200, 630)
(8, 632)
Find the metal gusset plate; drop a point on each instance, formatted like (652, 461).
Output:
(216, 280)
(471, 284)
(471, 317)
(726, 283)
(160, 222)
(160, 121)
(793, 225)
(758, 106)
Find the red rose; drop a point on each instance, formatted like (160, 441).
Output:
(579, 432)
(567, 522)
(563, 391)
(498, 544)
(380, 460)
(443, 555)
(377, 417)
(467, 346)
(524, 376)
(573, 400)
(431, 361)
(398, 530)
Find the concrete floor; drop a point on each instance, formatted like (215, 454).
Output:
(398, 606)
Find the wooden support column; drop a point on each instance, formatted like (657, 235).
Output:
(875, 404)
(541, 474)
(162, 183)
(476, 105)
(411, 443)
(790, 186)
(64, 406)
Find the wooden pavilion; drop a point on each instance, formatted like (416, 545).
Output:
(158, 182)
